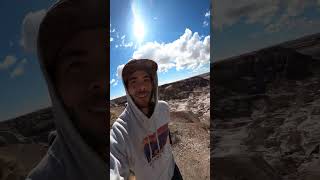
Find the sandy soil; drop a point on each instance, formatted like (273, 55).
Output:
(190, 133)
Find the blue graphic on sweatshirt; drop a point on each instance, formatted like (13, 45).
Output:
(163, 133)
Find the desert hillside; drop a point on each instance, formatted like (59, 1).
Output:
(189, 102)
(24, 140)
(23, 143)
(266, 110)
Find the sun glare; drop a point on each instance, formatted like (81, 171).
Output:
(138, 25)
(138, 29)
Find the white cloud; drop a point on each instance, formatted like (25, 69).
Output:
(207, 14)
(205, 23)
(155, 18)
(126, 45)
(119, 71)
(290, 19)
(122, 41)
(30, 27)
(112, 30)
(114, 82)
(190, 51)
(305, 25)
(228, 12)
(19, 69)
(266, 12)
(7, 62)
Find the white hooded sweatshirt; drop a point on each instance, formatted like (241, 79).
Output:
(69, 157)
(141, 144)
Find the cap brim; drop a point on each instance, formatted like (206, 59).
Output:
(139, 64)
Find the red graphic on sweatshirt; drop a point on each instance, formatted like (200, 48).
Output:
(163, 133)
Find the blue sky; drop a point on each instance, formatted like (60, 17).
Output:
(22, 85)
(247, 25)
(176, 34)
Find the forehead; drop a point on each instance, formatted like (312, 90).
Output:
(139, 74)
(87, 42)
(86, 45)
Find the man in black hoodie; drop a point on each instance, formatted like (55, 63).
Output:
(72, 46)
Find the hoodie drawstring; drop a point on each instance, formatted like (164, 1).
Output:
(158, 145)
(157, 141)
(156, 136)
(150, 148)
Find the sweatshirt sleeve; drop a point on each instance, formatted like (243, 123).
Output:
(48, 168)
(119, 166)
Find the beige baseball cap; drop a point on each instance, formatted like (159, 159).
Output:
(63, 20)
(133, 65)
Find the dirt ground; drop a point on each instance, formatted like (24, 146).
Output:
(17, 160)
(191, 141)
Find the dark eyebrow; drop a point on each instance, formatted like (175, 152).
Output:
(73, 53)
(132, 78)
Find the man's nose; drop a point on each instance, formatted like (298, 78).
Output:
(142, 86)
(99, 86)
(98, 77)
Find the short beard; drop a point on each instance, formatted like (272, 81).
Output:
(90, 138)
(150, 105)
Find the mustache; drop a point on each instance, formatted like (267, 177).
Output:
(144, 92)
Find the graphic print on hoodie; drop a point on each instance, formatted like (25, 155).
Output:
(140, 144)
(163, 133)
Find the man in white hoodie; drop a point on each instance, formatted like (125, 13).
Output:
(139, 139)
(72, 43)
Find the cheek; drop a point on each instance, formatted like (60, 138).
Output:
(72, 95)
(149, 86)
(131, 90)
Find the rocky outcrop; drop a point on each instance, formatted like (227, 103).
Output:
(251, 73)
(177, 90)
(184, 88)
(267, 102)
(34, 127)
(246, 167)
(17, 160)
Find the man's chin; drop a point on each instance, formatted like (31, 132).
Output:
(95, 139)
(142, 102)
(142, 105)
(94, 133)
